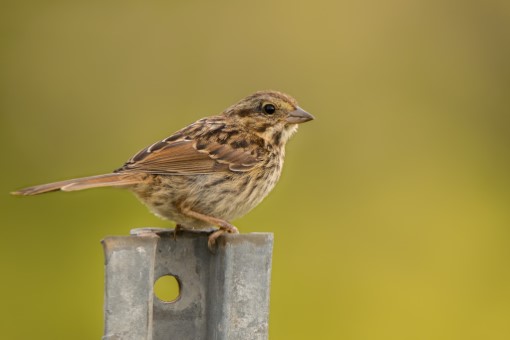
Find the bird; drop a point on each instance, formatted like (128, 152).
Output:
(210, 172)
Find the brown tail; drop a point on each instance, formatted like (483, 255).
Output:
(107, 180)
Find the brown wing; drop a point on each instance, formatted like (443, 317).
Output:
(184, 156)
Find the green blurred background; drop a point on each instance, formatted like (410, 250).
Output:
(391, 219)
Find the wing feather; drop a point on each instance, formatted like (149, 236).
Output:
(182, 157)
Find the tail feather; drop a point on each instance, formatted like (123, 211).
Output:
(107, 180)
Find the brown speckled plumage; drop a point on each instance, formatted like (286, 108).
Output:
(212, 171)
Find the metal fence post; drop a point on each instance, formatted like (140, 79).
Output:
(223, 296)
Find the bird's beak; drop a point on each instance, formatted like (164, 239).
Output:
(299, 116)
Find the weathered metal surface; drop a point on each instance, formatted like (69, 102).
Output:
(223, 296)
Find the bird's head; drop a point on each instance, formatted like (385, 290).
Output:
(271, 114)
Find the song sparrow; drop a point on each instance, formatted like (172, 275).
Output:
(210, 172)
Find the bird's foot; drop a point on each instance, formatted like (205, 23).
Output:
(177, 229)
(225, 227)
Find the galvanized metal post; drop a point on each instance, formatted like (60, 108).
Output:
(223, 296)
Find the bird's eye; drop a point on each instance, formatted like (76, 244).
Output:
(269, 109)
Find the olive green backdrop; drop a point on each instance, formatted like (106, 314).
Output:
(391, 219)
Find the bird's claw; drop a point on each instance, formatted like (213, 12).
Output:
(211, 242)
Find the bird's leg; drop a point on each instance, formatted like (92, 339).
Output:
(224, 226)
(177, 228)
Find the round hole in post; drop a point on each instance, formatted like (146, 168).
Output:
(167, 288)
